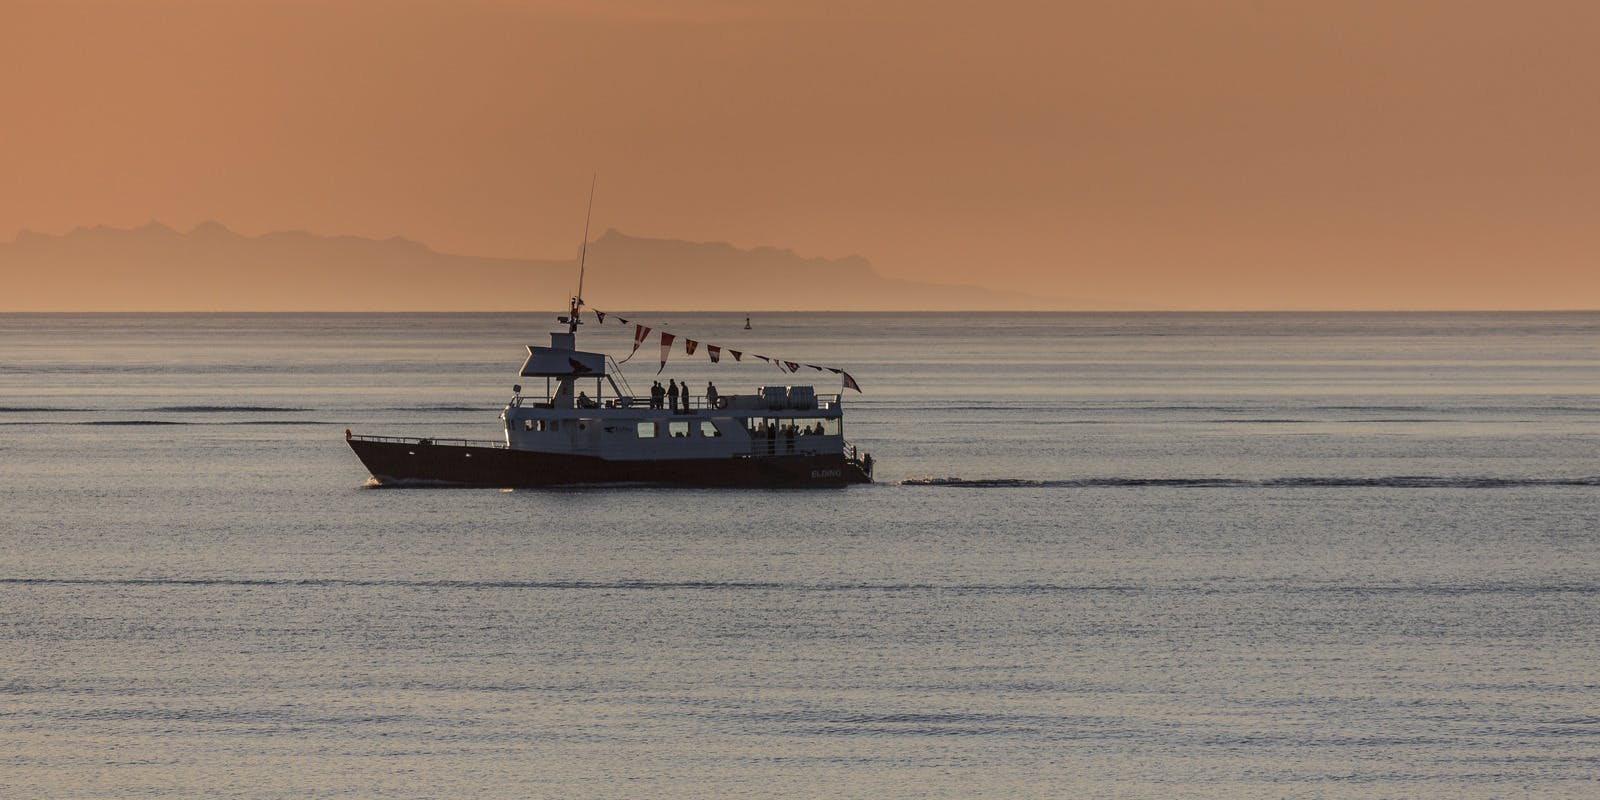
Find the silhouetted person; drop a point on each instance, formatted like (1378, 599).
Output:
(672, 394)
(657, 395)
(584, 401)
(711, 395)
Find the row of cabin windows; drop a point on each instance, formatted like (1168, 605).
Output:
(680, 429)
(774, 426)
(677, 429)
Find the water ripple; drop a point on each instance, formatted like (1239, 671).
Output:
(1391, 481)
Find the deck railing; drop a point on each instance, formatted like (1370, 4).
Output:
(744, 402)
(427, 440)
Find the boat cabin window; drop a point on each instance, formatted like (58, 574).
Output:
(708, 429)
(792, 426)
(536, 425)
(647, 430)
(678, 429)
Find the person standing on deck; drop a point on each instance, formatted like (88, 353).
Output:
(711, 395)
(672, 394)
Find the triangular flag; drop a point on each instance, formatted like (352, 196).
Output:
(600, 317)
(639, 334)
(815, 367)
(688, 346)
(738, 355)
(715, 352)
(666, 349)
(793, 367)
(835, 370)
(621, 320)
(849, 382)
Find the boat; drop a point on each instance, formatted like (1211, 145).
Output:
(774, 436)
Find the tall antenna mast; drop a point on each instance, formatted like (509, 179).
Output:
(583, 258)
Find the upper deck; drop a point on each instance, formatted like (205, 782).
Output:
(764, 399)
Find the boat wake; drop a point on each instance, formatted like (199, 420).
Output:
(225, 409)
(1393, 481)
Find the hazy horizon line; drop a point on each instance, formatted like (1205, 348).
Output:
(986, 312)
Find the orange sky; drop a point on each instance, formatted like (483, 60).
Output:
(1213, 154)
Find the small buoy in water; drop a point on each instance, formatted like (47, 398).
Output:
(747, 323)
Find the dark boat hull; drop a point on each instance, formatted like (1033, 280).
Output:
(394, 462)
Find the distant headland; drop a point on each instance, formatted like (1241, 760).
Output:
(211, 268)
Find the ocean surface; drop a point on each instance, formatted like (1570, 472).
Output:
(1108, 555)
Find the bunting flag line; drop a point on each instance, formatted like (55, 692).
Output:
(666, 349)
(641, 334)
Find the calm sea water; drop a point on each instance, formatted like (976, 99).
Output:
(1110, 555)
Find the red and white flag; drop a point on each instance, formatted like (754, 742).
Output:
(849, 382)
(639, 334)
(714, 352)
(666, 349)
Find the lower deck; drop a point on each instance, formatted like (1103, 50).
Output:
(399, 461)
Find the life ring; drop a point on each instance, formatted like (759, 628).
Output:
(722, 402)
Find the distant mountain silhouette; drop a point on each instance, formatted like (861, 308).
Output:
(210, 268)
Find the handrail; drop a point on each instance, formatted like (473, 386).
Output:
(426, 440)
(825, 402)
(616, 372)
